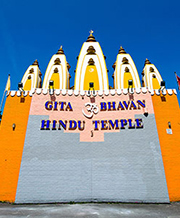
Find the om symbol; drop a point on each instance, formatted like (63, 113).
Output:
(92, 108)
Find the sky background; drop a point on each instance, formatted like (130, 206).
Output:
(32, 30)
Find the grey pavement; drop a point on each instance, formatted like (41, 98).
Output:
(90, 210)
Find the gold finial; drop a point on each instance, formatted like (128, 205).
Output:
(125, 60)
(31, 70)
(91, 38)
(91, 61)
(60, 51)
(126, 69)
(91, 50)
(147, 62)
(57, 61)
(56, 70)
(91, 32)
(36, 63)
(151, 69)
(121, 50)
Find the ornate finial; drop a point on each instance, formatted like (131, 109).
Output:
(151, 69)
(56, 70)
(114, 66)
(91, 61)
(31, 70)
(91, 32)
(125, 60)
(91, 38)
(91, 50)
(57, 61)
(36, 63)
(68, 66)
(126, 69)
(147, 62)
(60, 51)
(121, 50)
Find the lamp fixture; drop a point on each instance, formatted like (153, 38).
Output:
(162, 84)
(13, 126)
(20, 87)
(169, 125)
(51, 87)
(91, 86)
(130, 85)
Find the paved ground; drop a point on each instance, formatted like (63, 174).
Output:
(90, 210)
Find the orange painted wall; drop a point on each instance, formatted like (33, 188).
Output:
(11, 144)
(166, 110)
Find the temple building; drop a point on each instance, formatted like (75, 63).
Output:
(90, 142)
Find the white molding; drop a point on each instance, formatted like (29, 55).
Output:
(38, 91)
(112, 91)
(70, 92)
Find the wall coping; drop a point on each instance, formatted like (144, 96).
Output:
(100, 93)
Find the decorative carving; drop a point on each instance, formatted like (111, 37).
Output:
(91, 50)
(60, 51)
(154, 76)
(121, 50)
(91, 38)
(125, 60)
(126, 69)
(147, 62)
(151, 69)
(29, 77)
(114, 65)
(91, 61)
(57, 61)
(68, 66)
(56, 70)
(31, 70)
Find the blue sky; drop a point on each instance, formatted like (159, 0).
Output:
(32, 30)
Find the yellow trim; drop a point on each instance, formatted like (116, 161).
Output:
(28, 84)
(56, 78)
(155, 83)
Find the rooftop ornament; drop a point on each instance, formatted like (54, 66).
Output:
(60, 51)
(91, 38)
(121, 50)
(147, 62)
(36, 63)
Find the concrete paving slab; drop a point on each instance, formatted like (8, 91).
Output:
(90, 210)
